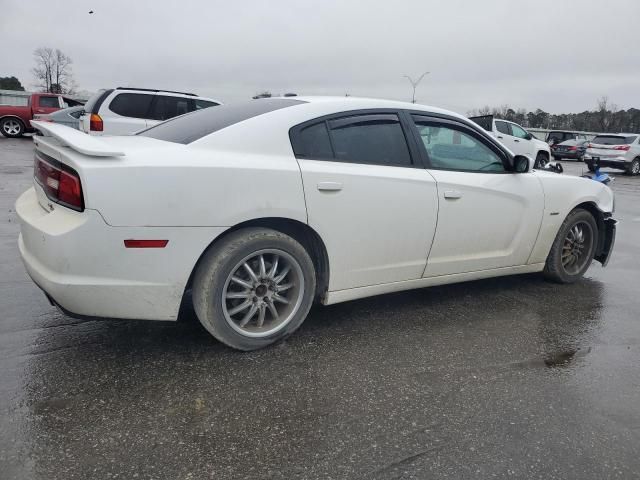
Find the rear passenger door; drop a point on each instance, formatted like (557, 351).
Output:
(127, 113)
(368, 196)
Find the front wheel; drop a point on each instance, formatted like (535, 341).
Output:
(541, 160)
(255, 288)
(573, 248)
(11, 127)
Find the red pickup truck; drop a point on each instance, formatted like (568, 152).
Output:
(16, 110)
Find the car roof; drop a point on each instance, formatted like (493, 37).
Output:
(355, 103)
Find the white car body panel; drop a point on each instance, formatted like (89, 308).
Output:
(385, 228)
(389, 242)
(493, 223)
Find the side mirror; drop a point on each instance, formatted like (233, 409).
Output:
(521, 164)
(529, 136)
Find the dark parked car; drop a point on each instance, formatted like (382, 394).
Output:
(573, 149)
(559, 136)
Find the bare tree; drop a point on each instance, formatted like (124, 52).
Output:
(53, 71)
(605, 114)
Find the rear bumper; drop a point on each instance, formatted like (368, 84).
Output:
(82, 265)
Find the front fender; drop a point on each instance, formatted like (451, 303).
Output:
(563, 193)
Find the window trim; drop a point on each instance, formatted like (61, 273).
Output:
(414, 154)
(455, 124)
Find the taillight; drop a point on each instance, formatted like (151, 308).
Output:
(624, 148)
(573, 148)
(95, 123)
(60, 183)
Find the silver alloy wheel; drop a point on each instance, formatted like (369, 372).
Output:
(635, 167)
(577, 247)
(263, 293)
(11, 127)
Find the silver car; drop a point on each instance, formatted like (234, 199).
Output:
(614, 150)
(67, 116)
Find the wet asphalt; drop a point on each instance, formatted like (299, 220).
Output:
(504, 378)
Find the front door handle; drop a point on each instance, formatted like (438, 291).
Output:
(499, 136)
(517, 141)
(452, 194)
(329, 186)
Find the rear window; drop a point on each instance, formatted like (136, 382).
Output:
(135, 105)
(612, 140)
(194, 126)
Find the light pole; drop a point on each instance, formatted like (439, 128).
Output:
(414, 84)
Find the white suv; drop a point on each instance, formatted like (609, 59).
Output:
(122, 111)
(621, 151)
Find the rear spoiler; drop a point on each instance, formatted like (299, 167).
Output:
(78, 141)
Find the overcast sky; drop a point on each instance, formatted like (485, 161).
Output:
(559, 55)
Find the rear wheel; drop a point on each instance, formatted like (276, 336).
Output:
(557, 158)
(254, 288)
(11, 127)
(541, 160)
(634, 167)
(573, 248)
(590, 167)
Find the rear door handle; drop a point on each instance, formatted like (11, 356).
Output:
(516, 140)
(499, 136)
(329, 186)
(452, 194)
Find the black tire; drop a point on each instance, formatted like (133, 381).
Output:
(634, 167)
(11, 127)
(541, 160)
(212, 281)
(554, 268)
(590, 167)
(556, 158)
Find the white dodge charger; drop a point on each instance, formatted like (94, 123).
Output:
(261, 208)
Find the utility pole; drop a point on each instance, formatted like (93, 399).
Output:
(414, 84)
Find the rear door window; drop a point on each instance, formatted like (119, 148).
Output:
(503, 127)
(135, 105)
(313, 142)
(376, 139)
(166, 107)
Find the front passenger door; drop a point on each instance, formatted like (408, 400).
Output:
(489, 217)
